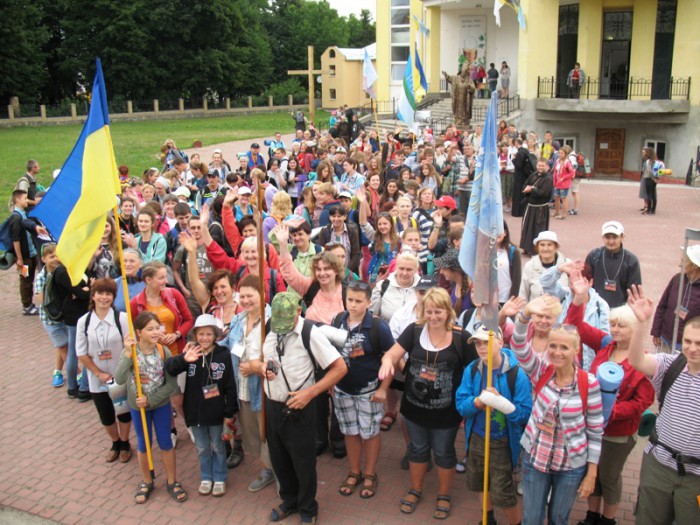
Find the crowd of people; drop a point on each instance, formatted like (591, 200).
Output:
(370, 320)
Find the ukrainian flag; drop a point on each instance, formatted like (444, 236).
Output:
(76, 205)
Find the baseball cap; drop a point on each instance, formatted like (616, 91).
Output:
(613, 227)
(217, 150)
(209, 320)
(482, 334)
(345, 194)
(340, 149)
(427, 282)
(546, 236)
(254, 145)
(244, 190)
(446, 202)
(693, 253)
(447, 143)
(285, 306)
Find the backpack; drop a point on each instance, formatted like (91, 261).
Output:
(511, 377)
(530, 165)
(295, 251)
(52, 302)
(382, 290)
(581, 379)
(6, 244)
(224, 241)
(306, 341)
(674, 370)
(273, 280)
(316, 287)
(373, 332)
(456, 334)
(117, 322)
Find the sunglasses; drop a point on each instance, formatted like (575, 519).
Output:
(358, 285)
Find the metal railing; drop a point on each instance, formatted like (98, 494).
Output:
(620, 89)
(506, 106)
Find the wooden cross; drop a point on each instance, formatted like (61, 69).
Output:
(310, 72)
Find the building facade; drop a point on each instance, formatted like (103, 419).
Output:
(342, 84)
(641, 85)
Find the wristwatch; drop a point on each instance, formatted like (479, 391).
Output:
(178, 335)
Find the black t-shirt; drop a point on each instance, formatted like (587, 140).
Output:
(432, 378)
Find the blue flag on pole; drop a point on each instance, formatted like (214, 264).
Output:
(75, 207)
(478, 253)
(407, 101)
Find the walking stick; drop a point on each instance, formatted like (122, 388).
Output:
(261, 276)
(137, 377)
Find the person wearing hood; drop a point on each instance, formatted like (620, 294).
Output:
(398, 289)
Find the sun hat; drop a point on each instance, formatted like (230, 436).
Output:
(693, 253)
(613, 227)
(209, 320)
(285, 306)
(546, 236)
(449, 260)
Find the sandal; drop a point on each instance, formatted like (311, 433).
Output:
(442, 512)
(143, 492)
(280, 512)
(348, 489)
(369, 490)
(409, 506)
(177, 492)
(387, 421)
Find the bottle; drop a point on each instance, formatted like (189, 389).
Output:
(228, 431)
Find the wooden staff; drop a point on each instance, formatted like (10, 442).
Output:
(261, 276)
(137, 377)
(487, 438)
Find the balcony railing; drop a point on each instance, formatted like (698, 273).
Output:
(624, 89)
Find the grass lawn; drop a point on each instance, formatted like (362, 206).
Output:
(136, 144)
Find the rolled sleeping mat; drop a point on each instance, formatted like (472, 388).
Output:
(610, 377)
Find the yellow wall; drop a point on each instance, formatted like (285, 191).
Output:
(432, 20)
(383, 23)
(686, 47)
(642, 45)
(347, 81)
(537, 50)
(590, 36)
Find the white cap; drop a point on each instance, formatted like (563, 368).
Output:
(693, 253)
(217, 150)
(182, 190)
(340, 149)
(546, 236)
(244, 190)
(345, 194)
(613, 227)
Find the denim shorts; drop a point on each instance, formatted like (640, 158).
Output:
(424, 439)
(58, 334)
(561, 193)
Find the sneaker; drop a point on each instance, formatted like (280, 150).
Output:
(72, 392)
(519, 488)
(57, 380)
(236, 456)
(219, 489)
(84, 396)
(266, 477)
(79, 377)
(461, 467)
(173, 437)
(31, 310)
(205, 487)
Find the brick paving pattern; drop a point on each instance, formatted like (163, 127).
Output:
(53, 448)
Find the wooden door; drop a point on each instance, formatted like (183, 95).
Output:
(609, 151)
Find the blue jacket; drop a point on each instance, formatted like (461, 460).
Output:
(516, 421)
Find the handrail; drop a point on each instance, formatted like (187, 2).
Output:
(667, 88)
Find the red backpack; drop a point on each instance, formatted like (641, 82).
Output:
(581, 376)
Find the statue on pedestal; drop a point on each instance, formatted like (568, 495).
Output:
(462, 96)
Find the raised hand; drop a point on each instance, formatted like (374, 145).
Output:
(204, 216)
(231, 196)
(192, 352)
(578, 284)
(282, 233)
(642, 306)
(540, 305)
(360, 195)
(512, 306)
(570, 267)
(187, 241)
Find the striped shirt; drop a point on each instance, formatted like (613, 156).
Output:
(425, 226)
(677, 425)
(39, 283)
(583, 433)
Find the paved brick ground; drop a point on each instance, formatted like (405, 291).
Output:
(52, 447)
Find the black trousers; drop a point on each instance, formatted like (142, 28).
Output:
(293, 455)
(324, 410)
(26, 284)
(650, 185)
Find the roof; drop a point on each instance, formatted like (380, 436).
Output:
(359, 54)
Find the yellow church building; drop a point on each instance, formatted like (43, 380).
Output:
(641, 76)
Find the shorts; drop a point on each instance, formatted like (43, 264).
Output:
(561, 193)
(357, 415)
(501, 486)
(58, 334)
(424, 439)
(575, 185)
(157, 419)
(105, 409)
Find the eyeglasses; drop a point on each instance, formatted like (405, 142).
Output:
(568, 328)
(358, 285)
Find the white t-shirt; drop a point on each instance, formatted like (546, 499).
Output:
(504, 280)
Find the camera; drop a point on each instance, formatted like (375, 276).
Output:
(272, 367)
(290, 414)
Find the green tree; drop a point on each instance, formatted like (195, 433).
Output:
(361, 31)
(22, 61)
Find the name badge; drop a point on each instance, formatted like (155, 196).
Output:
(357, 350)
(144, 379)
(545, 426)
(104, 355)
(428, 373)
(210, 391)
(682, 312)
(238, 350)
(610, 286)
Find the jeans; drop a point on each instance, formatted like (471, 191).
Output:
(72, 365)
(424, 439)
(211, 451)
(536, 487)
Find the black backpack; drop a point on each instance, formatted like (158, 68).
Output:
(116, 321)
(530, 165)
(674, 370)
(316, 287)
(52, 302)
(273, 280)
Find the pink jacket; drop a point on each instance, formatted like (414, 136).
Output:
(563, 176)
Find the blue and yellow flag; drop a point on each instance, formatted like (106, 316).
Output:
(484, 223)
(422, 89)
(514, 5)
(76, 205)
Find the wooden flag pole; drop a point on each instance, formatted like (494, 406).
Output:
(487, 438)
(261, 276)
(134, 360)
